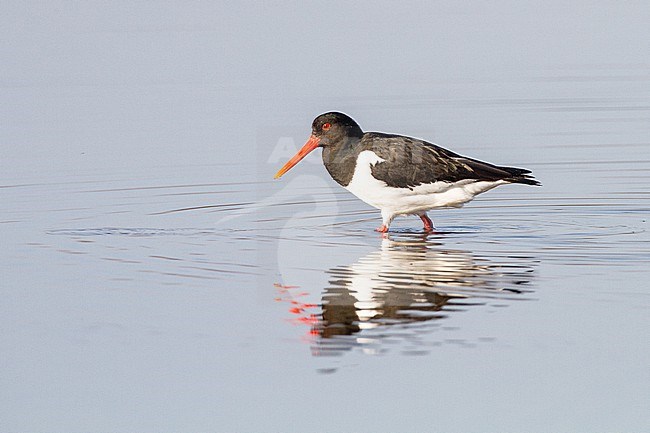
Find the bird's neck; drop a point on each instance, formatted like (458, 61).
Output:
(340, 159)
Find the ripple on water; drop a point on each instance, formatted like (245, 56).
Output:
(135, 232)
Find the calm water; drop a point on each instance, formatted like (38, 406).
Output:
(155, 277)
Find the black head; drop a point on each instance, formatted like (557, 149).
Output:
(332, 128)
(328, 130)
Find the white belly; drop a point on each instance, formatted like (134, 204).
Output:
(401, 201)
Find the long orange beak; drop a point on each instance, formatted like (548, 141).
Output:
(311, 144)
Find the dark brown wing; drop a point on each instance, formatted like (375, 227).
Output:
(410, 162)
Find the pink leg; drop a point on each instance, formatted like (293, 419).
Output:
(428, 224)
(382, 229)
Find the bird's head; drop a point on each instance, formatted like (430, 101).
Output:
(329, 129)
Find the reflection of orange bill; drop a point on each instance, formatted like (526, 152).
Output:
(282, 286)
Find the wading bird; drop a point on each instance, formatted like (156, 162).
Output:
(400, 175)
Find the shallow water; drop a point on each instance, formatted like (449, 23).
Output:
(156, 278)
(528, 298)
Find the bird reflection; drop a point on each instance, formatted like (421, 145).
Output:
(401, 292)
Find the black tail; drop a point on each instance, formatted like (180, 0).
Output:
(521, 175)
(487, 171)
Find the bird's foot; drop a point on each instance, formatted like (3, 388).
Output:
(382, 229)
(428, 224)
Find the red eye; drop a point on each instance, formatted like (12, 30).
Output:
(326, 126)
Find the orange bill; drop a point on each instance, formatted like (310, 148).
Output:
(311, 144)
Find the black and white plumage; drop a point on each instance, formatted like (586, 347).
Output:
(400, 175)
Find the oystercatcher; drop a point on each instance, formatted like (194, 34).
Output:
(400, 175)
